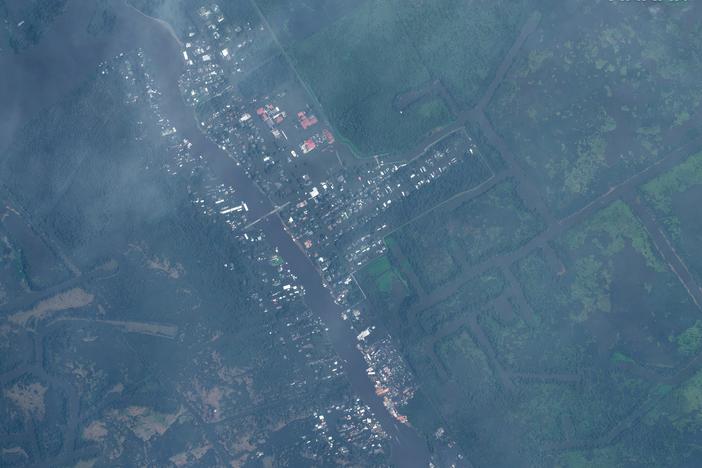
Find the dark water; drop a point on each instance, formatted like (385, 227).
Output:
(67, 55)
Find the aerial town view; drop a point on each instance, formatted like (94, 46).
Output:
(367, 233)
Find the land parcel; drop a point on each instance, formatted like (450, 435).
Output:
(455, 374)
(665, 435)
(358, 64)
(517, 382)
(446, 241)
(674, 197)
(604, 334)
(599, 92)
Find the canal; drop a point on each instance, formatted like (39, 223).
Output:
(407, 447)
(65, 57)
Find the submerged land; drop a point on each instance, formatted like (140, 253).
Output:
(366, 233)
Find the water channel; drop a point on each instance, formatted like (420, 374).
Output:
(64, 58)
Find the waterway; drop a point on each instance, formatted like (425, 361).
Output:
(65, 57)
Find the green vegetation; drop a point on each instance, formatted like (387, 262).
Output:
(103, 19)
(46, 155)
(690, 340)
(568, 345)
(666, 436)
(596, 311)
(595, 343)
(467, 367)
(496, 222)
(428, 253)
(468, 174)
(23, 23)
(610, 230)
(618, 358)
(542, 339)
(266, 78)
(605, 257)
(26, 261)
(508, 330)
(592, 100)
(358, 63)
(684, 406)
(386, 288)
(456, 375)
(383, 274)
(660, 191)
(621, 226)
(468, 299)
(357, 78)
(598, 314)
(442, 243)
(674, 196)
(299, 19)
(462, 43)
(13, 278)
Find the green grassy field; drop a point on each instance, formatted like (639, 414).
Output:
(591, 343)
(445, 241)
(596, 324)
(462, 42)
(597, 96)
(358, 63)
(674, 196)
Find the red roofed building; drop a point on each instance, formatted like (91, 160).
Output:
(306, 121)
(328, 136)
(311, 121)
(308, 146)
